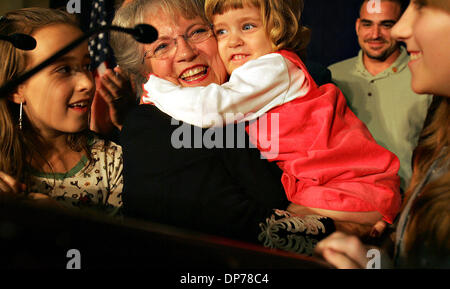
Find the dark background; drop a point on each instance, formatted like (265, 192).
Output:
(333, 29)
(332, 23)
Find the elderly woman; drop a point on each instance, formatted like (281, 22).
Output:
(170, 177)
(423, 232)
(222, 191)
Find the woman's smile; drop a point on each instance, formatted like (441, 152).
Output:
(196, 73)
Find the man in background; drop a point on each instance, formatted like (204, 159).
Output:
(377, 83)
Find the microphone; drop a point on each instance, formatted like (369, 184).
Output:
(143, 33)
(20, 41)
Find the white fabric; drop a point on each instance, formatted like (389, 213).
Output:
(253, 89)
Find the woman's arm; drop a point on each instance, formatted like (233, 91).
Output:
(190, 188)
(252, 90)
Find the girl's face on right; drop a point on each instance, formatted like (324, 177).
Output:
(58, 98)
(241, 36)
(426, 30)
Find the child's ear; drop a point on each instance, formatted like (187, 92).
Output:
(17, 96)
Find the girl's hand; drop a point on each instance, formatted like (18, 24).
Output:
(9, 185)
(117, 91)
(38, 196)
(343, 251)
(43, 200)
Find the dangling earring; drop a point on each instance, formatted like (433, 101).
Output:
(89, 119)
(20, 116)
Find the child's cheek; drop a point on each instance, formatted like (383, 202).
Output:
(223, 52)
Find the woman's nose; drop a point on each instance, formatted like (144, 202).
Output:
(185, 51)
(403, 28)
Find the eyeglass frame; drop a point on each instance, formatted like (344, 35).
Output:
(186, 38)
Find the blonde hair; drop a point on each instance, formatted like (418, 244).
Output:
(281, 20)
(19, 147)
(430, 218)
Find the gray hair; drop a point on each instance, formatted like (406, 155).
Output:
(128, 52)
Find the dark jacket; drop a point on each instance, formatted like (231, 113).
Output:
(222, 191)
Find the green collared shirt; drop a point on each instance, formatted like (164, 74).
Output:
(386, 103)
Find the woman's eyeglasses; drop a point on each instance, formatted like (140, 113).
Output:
(164, 48)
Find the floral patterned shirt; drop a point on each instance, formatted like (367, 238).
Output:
(97, 185)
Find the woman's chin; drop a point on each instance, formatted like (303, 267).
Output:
(419, 85)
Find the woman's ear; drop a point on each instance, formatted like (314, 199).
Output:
(18, 96)
(358, 22)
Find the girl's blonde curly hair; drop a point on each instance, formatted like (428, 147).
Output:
(281, 20)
